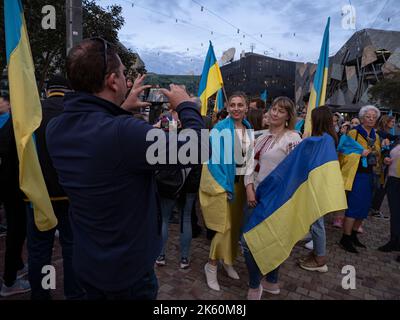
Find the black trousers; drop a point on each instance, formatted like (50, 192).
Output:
(393, 194)
(16, 234)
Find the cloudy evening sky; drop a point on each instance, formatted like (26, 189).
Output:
(172, 36)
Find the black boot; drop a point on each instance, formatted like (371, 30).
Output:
(355, 240)
(398, 259)
(347, 244)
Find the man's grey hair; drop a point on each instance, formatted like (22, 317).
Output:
(365, 109)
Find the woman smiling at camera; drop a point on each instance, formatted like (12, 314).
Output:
(222, 193)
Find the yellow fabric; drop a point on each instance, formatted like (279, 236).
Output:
(214, 83)
(349, 163)
(225, 246)
(213, 201)
(27, 115)
(272, 240)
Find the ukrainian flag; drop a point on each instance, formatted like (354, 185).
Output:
(305, 186)
(318, 90)
(217, 184)
(26, 113)
(211, 79)
(350, 153)
(219, 101)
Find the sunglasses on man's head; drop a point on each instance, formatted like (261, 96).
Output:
(105, 49)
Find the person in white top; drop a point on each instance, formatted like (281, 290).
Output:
(270, 149)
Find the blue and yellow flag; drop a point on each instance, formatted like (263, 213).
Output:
(347, 146)
(305, 186)
(318, 89)
(217, 184)
(264, 96)
(26, 113)
(211, 79)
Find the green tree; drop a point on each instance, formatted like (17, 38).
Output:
(386, 93)
(49, 46)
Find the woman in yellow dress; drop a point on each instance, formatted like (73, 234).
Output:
(222, 193)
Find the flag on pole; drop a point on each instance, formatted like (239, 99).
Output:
(26, 113)
(211, 79)
(219, 101)
(318, 89)
(264, 96)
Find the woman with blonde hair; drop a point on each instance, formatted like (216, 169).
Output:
(270, 149)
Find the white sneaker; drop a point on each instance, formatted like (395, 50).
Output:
(211, 276)
(230, 271)
(309, 245)
(19, 286)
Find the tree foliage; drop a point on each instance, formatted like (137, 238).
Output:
(386, 93)
(49, 46)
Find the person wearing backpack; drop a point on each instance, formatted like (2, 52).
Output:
(177, 187)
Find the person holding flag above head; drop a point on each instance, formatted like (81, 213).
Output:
(211, 82)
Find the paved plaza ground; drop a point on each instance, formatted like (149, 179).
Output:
(377, 273)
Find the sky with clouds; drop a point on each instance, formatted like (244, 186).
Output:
(172, 36)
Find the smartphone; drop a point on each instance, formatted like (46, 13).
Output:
(155, 95)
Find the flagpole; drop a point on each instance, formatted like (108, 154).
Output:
(223, 90)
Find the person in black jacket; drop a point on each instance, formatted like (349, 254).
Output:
(40, 243)
(103, 159)
(12, 197)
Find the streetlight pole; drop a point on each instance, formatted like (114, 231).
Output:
(73, 12)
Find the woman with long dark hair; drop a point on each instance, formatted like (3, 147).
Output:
(322, 123)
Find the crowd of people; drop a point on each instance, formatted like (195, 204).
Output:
(113, 207)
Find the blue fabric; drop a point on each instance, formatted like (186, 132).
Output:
(220, 100)
(280, 185)
(323, 65)
(264, 96)
(4, 118)
(223, 171)
(359, 199)
(348, 145)
(318, 236)
(364, 133)
(299, 125)
(210, 61)
(40, 250)
(13, 12)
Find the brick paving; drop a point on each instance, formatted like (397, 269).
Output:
(377, 273)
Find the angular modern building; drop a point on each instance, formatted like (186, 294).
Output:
(369, 56)
(253, 73)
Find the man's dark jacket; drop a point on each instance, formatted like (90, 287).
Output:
(99, 152)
